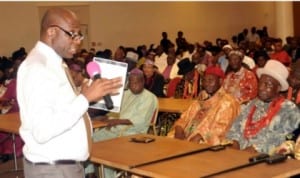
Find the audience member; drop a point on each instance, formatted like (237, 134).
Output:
(120, 54)
(247, 61)
(242, 36)
(266, 120)
(294, 49)
(137, 109)
(253, 36)
(171, 69)
(9, 104)
(189, 86)
(293, 93)
(210, 116)
(268, 46)
(239, 81)
(160, 59)
(131, 60)
(223, 60)
(280, 54)
(260, 58)
(180, 41)
(154, 81)
(165, 42)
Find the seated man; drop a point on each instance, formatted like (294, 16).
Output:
(239, 81)
(137, 108)
(209, 118)
(267, 119)
(189, 86)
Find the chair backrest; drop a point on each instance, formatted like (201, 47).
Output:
(153, 121)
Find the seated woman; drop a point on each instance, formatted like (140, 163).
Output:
(154, 81)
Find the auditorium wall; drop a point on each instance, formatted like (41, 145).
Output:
(110, 24)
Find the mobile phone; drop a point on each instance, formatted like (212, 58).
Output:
(276, 158)
(142, 139)
(260, 157)
(217, 148)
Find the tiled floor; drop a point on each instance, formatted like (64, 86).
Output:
(8, 167)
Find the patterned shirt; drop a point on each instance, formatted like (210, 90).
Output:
(209, 118)
(284, 122)
(242, 85)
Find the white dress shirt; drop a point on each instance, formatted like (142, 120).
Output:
(161, 62)
(52, 126)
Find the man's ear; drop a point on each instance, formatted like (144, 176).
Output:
(51, 32)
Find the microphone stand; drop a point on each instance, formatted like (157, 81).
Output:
(211, 148)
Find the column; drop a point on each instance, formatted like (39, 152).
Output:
(284, 21)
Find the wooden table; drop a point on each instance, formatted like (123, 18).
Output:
(120, 153)
(10, 123)
(173, 105)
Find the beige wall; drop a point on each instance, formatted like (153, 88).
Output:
(132, 23)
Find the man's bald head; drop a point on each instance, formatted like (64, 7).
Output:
(60, 30)
(57, 16)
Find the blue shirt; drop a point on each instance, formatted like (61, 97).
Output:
(284, 122)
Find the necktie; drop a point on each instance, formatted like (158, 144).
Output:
(86, 116)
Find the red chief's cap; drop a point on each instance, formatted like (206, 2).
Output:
(215, 70)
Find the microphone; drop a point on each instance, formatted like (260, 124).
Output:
(94, 71)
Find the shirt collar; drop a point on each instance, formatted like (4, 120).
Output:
(52, 56)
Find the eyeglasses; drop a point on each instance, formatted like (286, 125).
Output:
(72, 35)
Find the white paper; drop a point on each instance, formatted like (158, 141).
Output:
(111, 69)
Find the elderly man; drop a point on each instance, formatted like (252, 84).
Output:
(266, 120)
(209, 118)
(239, 81)
(137, 108)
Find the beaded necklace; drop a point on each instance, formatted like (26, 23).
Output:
(253, 127)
